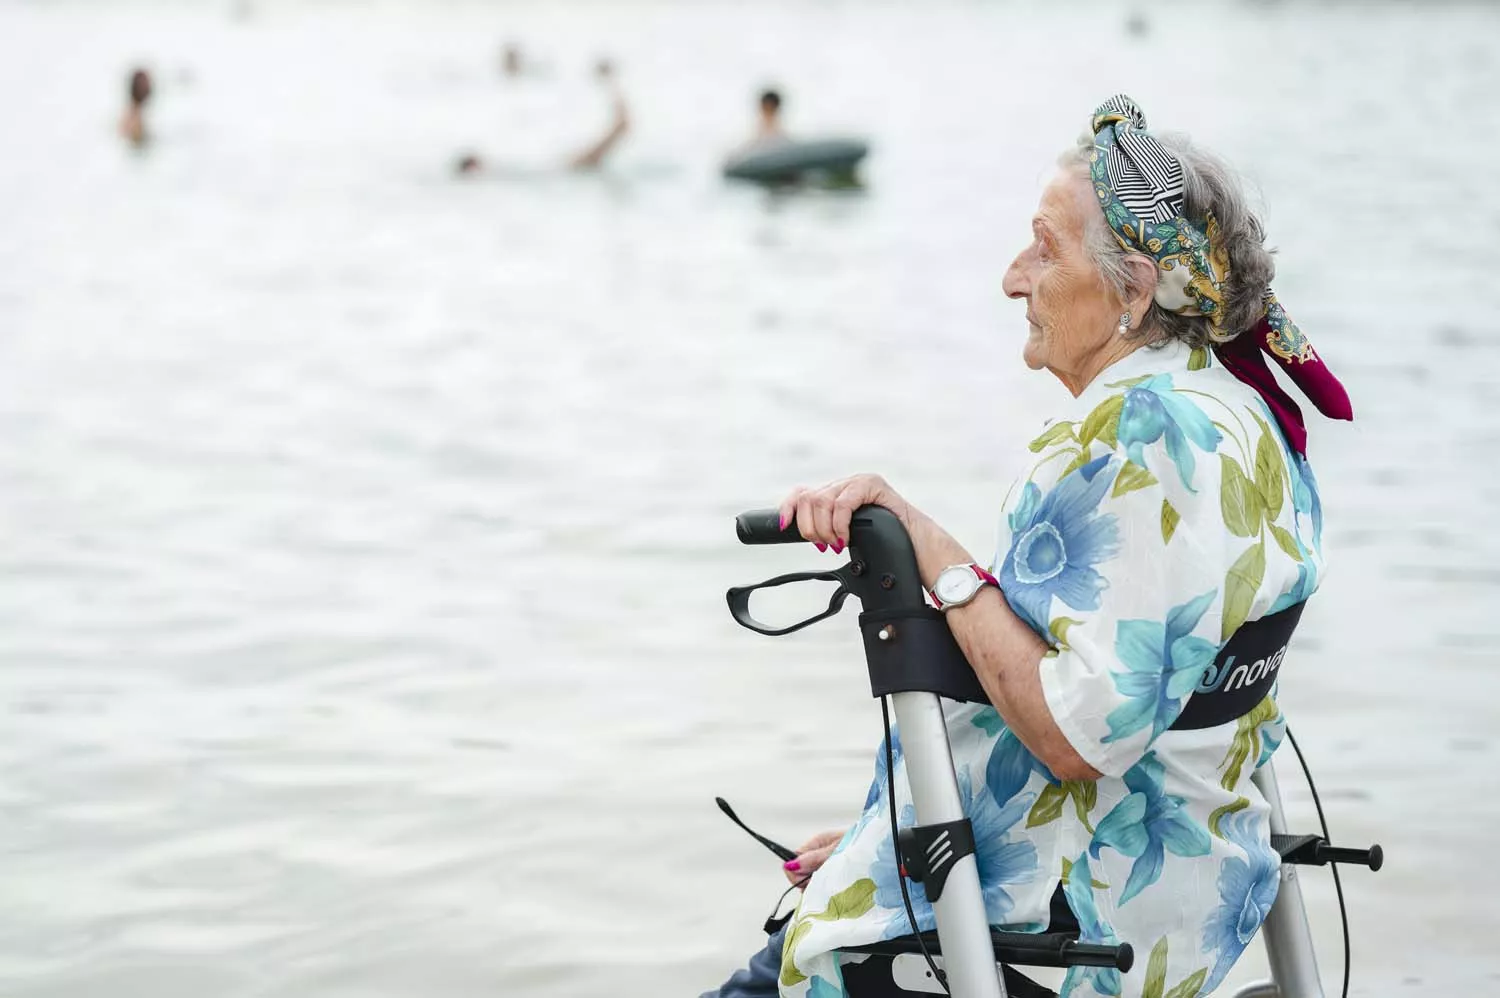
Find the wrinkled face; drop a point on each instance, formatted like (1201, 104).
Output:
(1072, 313)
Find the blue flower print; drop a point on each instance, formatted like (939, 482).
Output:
(1165, 662)
(1305, 586)
(1271, 733)
(1147, 824)
(1154, 409)
(1079, 891)
(820, 988)
(1305, 499)
(1247, 888)
(887, 876)
(878, 785)
(1002, 861)
(1056, 541)
(1010, 767)
(1305, 502)
(875, 799)
(988, 720)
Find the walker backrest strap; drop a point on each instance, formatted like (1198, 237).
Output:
(1243, 672)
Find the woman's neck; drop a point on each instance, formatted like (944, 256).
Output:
(1114, 350)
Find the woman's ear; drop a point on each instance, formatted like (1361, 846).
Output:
(1142, 293)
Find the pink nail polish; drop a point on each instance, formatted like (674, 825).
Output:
(820, 546)
(838, 546)
(781, 522)
(792, 866)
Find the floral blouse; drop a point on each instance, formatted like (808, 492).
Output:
(1160, 513)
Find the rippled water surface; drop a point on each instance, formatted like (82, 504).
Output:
(363, 533)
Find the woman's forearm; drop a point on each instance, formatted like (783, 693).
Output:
(1003, 651)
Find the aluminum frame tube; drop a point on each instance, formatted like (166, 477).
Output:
(1288, 937)
(962, 924)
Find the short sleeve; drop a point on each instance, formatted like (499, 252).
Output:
(1110, 565)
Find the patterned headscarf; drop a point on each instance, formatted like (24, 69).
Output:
(1139, 187)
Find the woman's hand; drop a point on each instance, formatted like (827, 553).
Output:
(823, 514)
(810, 855)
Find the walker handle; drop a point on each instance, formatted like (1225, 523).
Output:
(762, 526)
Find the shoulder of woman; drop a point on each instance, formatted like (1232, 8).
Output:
(1202, 439)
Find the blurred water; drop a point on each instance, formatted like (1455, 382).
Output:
(363, 532)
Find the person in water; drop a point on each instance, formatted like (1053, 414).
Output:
(592, 157)
(1169, 503)
(133, 121)
(768, 128)
(768, 131)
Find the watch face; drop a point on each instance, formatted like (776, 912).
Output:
(955, 584)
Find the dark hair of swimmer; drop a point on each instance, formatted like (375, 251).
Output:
(770, 101)
(468, 163)
(140, 87)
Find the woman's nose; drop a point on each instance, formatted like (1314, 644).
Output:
(1016, 283)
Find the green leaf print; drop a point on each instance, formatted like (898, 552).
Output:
(1132, 476)
(1085, 794)
(1270, 471)
(1240, 587)
(1156, 970)
(1238, 499)
(1246, 743)
(1198, 359)
(1103, 422)
(790, 975)
(1169, 521)
(1053, 435)
(1082, 458)
(1286, 541)
(851, 902)
(1220, 813)
(1156, 976)
(1048, 807)
(1189, 986)
(1128, 383)
(1059, 628)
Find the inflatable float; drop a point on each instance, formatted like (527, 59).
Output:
(791, 161)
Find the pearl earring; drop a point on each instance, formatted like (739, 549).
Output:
(1124, 323)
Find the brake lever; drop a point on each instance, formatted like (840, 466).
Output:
(739, 599)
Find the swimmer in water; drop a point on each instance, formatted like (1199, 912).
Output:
(769, 126)
(768, 129)
(593, 157)
(133, 121)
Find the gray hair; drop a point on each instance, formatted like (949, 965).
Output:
(1210, 185)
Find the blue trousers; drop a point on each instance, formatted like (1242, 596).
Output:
(758, 979)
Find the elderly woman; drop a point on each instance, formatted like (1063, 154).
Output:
(1169, 504)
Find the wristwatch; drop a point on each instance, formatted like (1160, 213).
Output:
(959, 584)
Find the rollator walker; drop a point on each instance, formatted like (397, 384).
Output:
(914, 660)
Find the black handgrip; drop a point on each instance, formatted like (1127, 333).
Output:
(1059, 950)
(1373, 857)
(1121, 957)
(763, 526)
(1021, 949)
